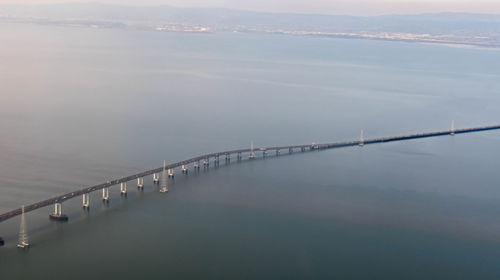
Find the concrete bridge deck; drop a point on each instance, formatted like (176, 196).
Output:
(308, 147)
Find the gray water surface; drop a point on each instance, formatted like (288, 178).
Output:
(82, 106)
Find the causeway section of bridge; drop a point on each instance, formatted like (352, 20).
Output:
(205, 160)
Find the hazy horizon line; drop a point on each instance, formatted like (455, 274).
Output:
(150, 5)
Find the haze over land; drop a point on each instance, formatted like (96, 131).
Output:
(450, 28)
(351, 7)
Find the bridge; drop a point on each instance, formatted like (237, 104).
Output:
(205, 159)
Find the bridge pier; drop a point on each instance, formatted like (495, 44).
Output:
(238, 156)
(156, 178)
(228, 157)
(252, 154)
(123, 189)
(264, 153)
(58, 215)
(277, 152)
(164, 186)
(140, 182)
(170, 173)
(105, 186)
(184, 169)
(105, 194)
(452, 131)
(86, 201)
(206, 162)
(290, 150)
(196, 165)
(302, 149)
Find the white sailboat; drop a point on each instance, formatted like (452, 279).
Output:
(164, 187)
(23, 235)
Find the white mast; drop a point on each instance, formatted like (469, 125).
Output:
(252, 154)
(164, 187)
(23, 235)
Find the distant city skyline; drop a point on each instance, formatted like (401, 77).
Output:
(351, 7)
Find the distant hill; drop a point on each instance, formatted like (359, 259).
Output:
(482, 29)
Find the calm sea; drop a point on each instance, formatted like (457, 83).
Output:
(82, 106)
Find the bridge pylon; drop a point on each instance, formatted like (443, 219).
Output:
(452, 130)
(23, 242)
(86, 201)
(361, 139)
(140, 182)
(105, 194)
(252, 153)
(123, 188)
(184, 169)
(164, 186)
(58, 215)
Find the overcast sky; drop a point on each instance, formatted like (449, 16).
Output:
(355, 7)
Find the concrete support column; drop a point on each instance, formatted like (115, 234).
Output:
(58, 209)
(123, 188)
(86, 200)
(252, 154)
(105, 194)
(58, 215)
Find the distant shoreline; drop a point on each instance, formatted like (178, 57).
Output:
(205, 30)
(421, 41)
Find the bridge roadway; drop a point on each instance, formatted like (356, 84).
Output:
(309, 147)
